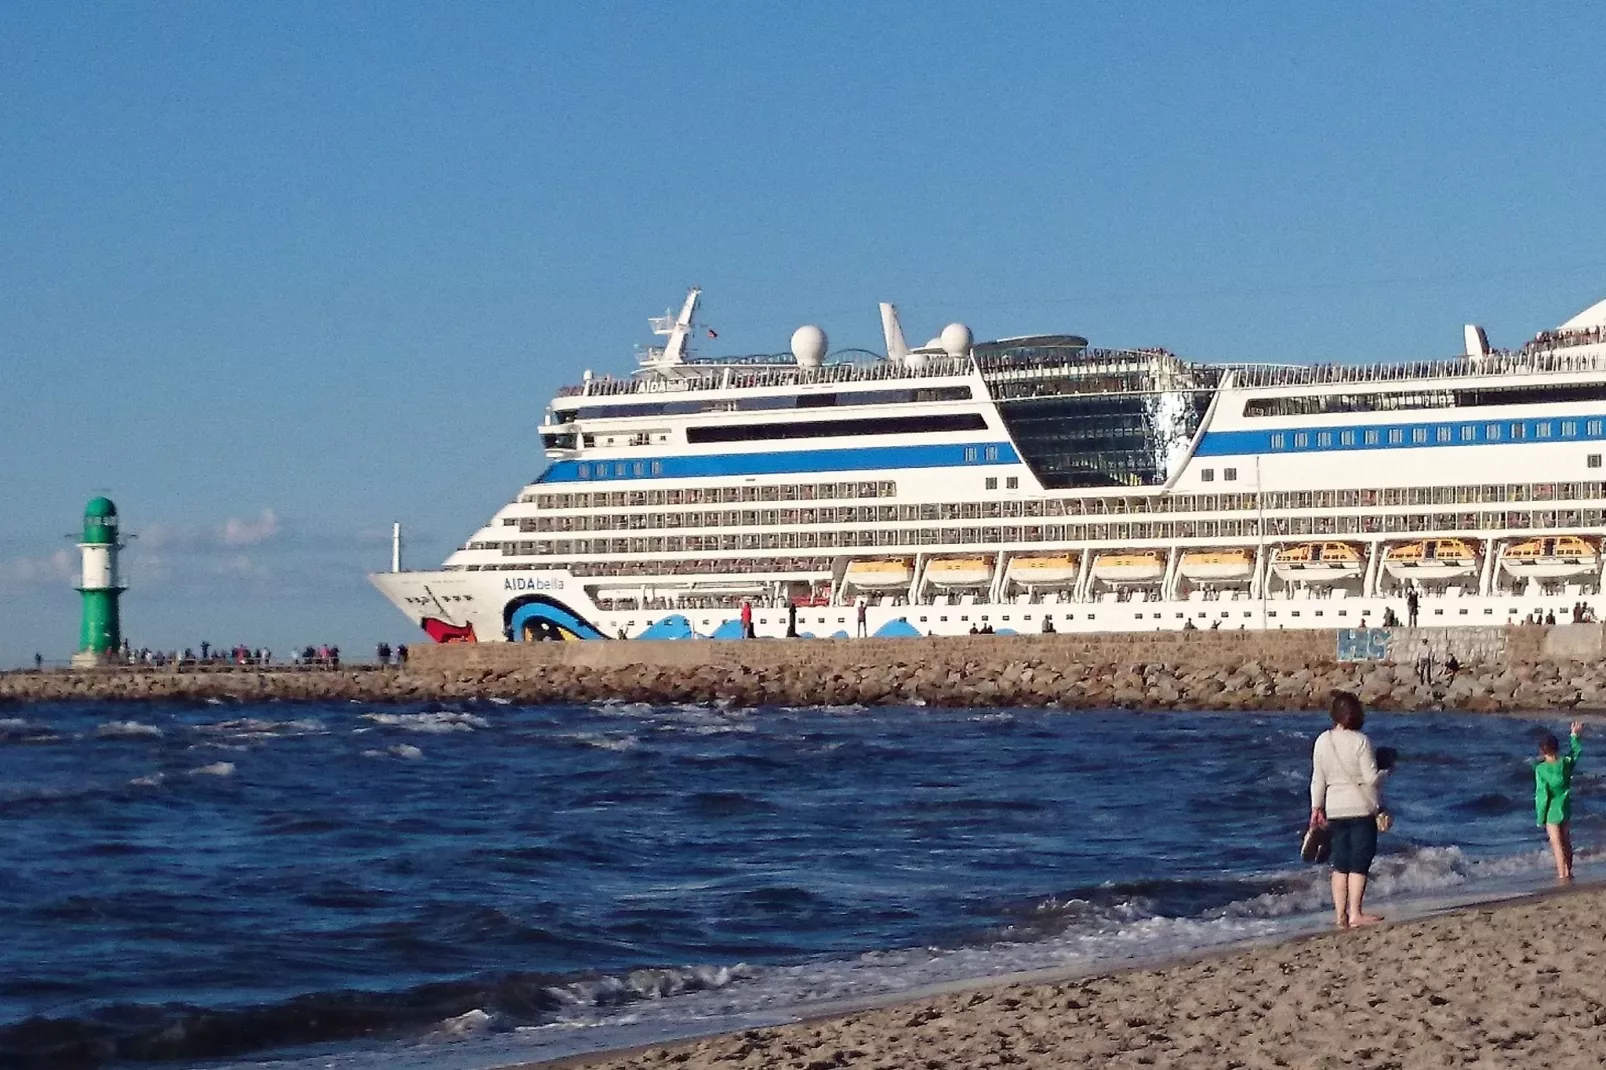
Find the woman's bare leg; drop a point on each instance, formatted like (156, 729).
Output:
(1561, 850)
(1341, 899)
(1357, 896)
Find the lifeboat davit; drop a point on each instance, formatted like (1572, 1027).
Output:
(1430, 559)
(1217, 565)
(1129, 566)
(1045, 570)
(1317, 562)
(880, 573)
(959, 572)
(1551, 557)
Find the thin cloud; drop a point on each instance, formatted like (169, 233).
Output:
(238, 532)
(32, 571)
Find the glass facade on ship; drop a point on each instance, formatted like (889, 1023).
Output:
(1089, 418)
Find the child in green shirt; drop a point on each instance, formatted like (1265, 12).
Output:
(1553, 777)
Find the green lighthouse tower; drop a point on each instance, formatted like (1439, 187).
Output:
(102, 630)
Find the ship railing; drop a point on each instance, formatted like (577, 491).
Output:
(994, 366)
(1500, 362)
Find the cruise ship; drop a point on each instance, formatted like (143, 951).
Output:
(1039, 484)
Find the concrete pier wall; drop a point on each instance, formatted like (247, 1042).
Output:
(1500, 669)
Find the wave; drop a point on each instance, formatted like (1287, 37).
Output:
(453, 1009)
(127, 730)
(401, 750)
(435, 723)
(215, 769)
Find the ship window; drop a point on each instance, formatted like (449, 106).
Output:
(638, 469)
(1518, 432)
(992, 451)
(1012, 483)
(1207, 475)
(1229, 474)
(1301, 440)
(1419, 435)
(992, 482)
(1278, 441)
(1346, 438)
(1443, 434)
(1593, 428)
(1569, 428)
(1396, 436)
(657, 468)
(971, 454)
(1469, 433)
(881, 425)
(1542, 430)
(1491, 432)
(1324, 439)
(1593, 460)
(1371, 438)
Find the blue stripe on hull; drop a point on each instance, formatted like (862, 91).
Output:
(869, 459)
(1412, 436)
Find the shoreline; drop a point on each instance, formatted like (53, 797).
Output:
(1020, 1018)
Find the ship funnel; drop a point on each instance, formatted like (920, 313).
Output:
(892, 330)
(1477, 342)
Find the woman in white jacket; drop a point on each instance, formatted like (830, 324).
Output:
(1344, 797)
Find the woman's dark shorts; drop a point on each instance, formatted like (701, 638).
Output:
(1354, 843)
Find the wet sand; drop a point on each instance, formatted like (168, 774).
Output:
(1517, 984)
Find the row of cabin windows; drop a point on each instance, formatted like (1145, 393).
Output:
(772, 492)
(1396, 400)
(1498, 494)
(1119, 531)
(1105, 505)
(1440, 434)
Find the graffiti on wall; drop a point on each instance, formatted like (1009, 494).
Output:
(1364, 644)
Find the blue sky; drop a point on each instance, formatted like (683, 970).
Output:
(276, 275)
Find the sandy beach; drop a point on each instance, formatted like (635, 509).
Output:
(1517, 984)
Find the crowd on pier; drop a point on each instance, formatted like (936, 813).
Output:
(321, 656)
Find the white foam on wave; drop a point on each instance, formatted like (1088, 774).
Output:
(127, 730)
(1112, 935)
(152, 780)
(250, 729)
(438, 722)
(215, 769)
(603, 740)
(467, 1024)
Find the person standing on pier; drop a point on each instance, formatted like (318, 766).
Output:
(747, 619)
(1413, 602)
(864, 616)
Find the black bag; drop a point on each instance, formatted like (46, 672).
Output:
(1316, 845)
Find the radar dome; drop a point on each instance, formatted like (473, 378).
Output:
(809, 346)
(956, 340)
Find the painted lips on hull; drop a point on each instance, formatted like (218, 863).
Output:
(441, 632)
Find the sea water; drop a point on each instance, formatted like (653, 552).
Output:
(480, 884)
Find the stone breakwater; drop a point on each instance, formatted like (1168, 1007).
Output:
(1514, 669)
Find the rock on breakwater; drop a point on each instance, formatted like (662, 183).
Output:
(1506, 670)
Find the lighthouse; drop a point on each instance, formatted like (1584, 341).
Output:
(102, 630)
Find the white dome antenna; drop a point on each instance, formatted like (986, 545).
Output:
(809, 346)
(956, 340)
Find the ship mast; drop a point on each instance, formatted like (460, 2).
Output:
(677, 329)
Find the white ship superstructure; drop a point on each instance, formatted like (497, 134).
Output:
(1038, 483)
